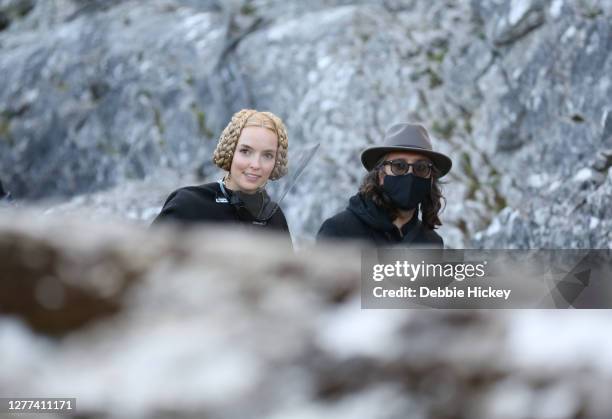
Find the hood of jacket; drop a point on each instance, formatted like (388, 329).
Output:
(370, 213)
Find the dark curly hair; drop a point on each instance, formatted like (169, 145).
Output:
(371, 189)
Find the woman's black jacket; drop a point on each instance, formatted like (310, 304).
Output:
(364, 220)
(207, 203)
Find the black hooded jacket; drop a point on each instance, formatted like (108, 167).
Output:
(364, 220)
(207, 203)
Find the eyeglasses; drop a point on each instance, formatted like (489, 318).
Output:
(400, 167)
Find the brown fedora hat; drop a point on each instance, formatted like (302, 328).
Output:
(406, 137)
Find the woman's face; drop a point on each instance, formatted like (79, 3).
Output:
(407, 156)
(253, 160)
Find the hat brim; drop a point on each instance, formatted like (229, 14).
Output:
(370, 156)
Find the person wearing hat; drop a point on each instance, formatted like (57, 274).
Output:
(402, 181)
(252, 149)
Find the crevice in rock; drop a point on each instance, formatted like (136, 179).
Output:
(5, 22)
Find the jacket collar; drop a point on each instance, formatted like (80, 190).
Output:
(379, 219)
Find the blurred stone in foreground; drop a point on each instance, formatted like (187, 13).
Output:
(215, 323)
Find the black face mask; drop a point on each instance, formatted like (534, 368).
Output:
(406, 191)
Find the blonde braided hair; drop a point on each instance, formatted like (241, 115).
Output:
(224, 152)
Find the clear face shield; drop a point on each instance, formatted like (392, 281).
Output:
(263, 204)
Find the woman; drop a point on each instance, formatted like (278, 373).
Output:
(252, 149)
(402, 180)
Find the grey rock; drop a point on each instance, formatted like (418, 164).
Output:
(586, 175)
(603, 161)
(507, 21)
(284, 338)
(11, 10)
(563, 149)
(606, 135)
(108, 98)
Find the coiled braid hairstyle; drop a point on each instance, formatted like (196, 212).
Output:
(224, 152)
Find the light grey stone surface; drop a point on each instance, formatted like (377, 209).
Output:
(165, 323)
(108, 96)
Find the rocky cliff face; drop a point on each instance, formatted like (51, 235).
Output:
(107, 94)
(517, 92)
(165, 323)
